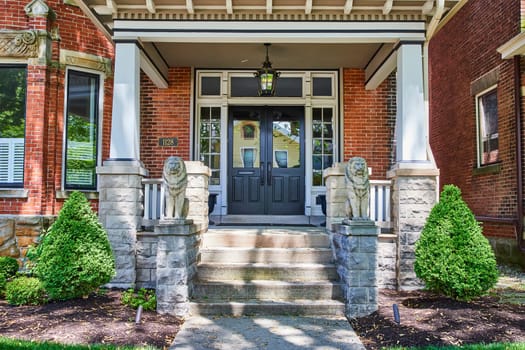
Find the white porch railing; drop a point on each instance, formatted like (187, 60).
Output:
(379, 201)
(153, 201)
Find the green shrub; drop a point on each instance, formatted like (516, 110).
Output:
(25, 291)
(452, 255)
(74, 257)
(3, 282)
(8, 266)
(144, 297)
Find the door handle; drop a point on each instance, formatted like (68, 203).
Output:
(261, 175)
(269, 173)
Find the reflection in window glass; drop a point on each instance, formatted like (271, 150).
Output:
(246, 143)
(210, 141)
(12, 124)
(488, 127)
(81, 130)
(323, 143)
(286, 144)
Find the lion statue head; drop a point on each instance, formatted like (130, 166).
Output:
(174, 172)
(357, 170)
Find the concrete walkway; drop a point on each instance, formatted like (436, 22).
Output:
(266, 332)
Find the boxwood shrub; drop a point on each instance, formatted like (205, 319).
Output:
(452, 255)
(74, 257)
(3, 282)
(25, 291)
(8, 266)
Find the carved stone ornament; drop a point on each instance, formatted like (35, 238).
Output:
(175, 180)
(37, 8)
(358, 187)
(19, 43)
(84, 60)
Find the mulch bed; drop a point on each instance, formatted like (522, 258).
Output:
(429, 319)
(99, 319)
(425, 319)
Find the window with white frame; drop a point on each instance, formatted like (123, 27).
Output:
(13, 86)
(210, 141)
(323, 142)
(82, 128)
(487, 120)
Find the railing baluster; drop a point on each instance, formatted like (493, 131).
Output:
(380, 203)
(373, 202)
(147, 209)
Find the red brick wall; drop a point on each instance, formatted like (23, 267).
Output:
(461, 52)
(45, 103)
(165, 113)
(369, 120)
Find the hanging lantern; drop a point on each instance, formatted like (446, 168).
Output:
(266, 77)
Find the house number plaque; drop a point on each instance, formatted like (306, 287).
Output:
(168, 141)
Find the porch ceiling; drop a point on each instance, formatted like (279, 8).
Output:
(251, 56)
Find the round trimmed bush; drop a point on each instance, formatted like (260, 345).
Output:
(74, 257)
(8, 266)
(452, 255)
(25, 291)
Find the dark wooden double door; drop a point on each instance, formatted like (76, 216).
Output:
(266, 160)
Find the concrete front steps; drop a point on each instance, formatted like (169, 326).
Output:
(270, 271)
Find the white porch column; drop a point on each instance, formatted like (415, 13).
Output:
(411, 123)
(125, 126)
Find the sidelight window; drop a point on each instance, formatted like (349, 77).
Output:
(323, 143)
(210, 141)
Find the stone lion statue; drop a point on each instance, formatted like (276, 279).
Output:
(358, 187)
(175, 181)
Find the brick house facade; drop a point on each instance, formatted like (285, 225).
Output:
(359, 74)
(465, 62)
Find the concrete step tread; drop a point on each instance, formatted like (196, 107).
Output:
(269, 302)
(269, 283)
(223, 265)
(304, 307)
(241, 249)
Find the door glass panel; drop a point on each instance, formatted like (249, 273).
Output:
(246, 143)
(286, 144)
(323, 143)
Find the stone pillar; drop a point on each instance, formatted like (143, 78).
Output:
(355, 247)
(414, 193)
(197, 192)
(177, 257)
(336, 194)
(120, 212)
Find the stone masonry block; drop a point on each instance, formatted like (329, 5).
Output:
(124, 195)
(123, 222)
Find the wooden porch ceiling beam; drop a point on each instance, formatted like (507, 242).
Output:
(150, 5)
(388, 6)
(269, 6)
(229, 6)
(189, 6)
(308, 7)
(427, 7)
(112, 5)
(348, 6)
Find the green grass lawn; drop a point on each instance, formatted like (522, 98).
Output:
(13, 344)
(494, 346)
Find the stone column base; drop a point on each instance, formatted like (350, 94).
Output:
(177, 258)
(414, 193)
(355, 245)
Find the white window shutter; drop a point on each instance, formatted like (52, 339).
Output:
(11, 160)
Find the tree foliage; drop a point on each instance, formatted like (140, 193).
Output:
(12, 102)
(452, 255)
(74, 257)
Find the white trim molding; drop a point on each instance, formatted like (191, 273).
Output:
(513, 47)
